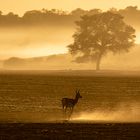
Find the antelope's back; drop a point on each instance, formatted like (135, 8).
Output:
(67, 102)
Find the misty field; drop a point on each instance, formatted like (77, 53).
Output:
(27, 97)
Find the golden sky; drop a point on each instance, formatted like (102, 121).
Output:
(20, 6)
(26, 43)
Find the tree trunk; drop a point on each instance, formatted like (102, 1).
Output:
(98, 63)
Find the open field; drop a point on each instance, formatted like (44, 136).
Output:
(30, 105)
(27, 96)
(36, 97)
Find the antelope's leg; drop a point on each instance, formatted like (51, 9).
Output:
(65, 109)
(63, 106)
(70, 113)
(71, 110)
(64, 112)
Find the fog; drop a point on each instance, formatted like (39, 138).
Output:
(40, 33)
(33, 41)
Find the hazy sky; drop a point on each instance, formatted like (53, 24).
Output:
(20, 6)
(26, 43)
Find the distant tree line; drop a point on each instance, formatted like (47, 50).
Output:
(44, 16)
(58, 17)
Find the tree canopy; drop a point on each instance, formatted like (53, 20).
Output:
(100, 33)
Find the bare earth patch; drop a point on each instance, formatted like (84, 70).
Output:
(37, 131)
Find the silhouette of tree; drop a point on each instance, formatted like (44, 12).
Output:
(78, 12)
(131, 15)
(98, 34)
(94, 11)
(55, 17)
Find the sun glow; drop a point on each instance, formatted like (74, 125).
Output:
(37, 51)
(43, 50)
(113, 115)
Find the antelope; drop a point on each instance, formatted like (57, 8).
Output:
(70, 103)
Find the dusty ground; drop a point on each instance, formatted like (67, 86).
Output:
(62, 131)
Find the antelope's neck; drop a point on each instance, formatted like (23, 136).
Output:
(76, 100)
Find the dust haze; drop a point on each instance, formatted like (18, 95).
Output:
(123, 112)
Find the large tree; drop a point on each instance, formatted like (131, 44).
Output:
(99, 34)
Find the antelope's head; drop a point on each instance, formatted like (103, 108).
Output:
(78, 94)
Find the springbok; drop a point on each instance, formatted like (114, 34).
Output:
(70, 103)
